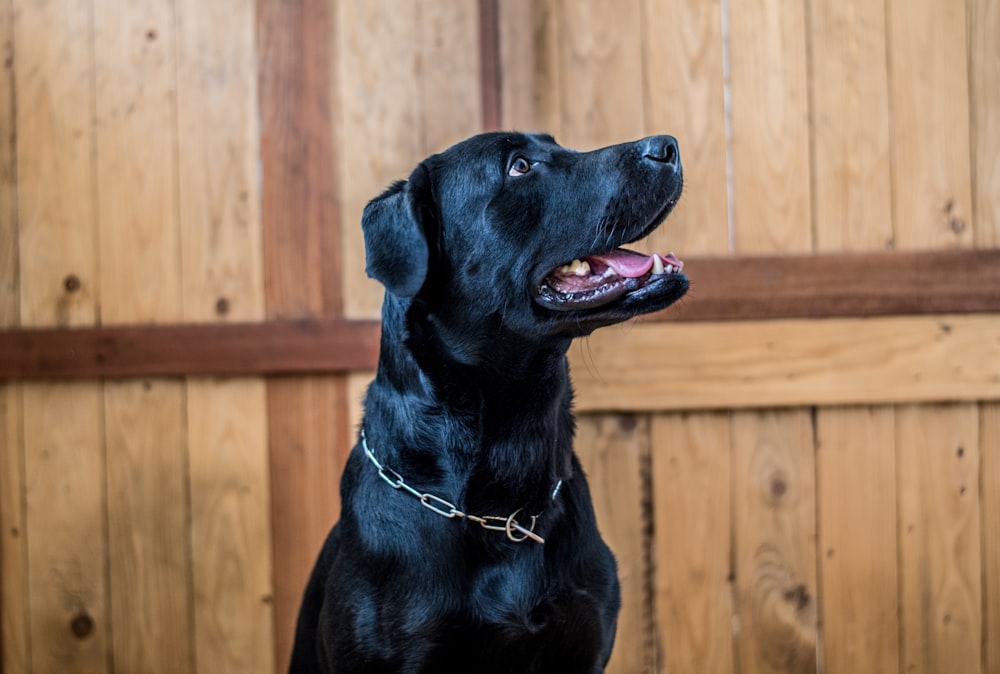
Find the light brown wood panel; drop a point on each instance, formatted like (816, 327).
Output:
(67, 544)
(683, 87)
(9, 287)
(775, 537)
(770, 130)
(521, 57)
(449, 73)
(989, 438)
(221, 236)
(929, 98)
(231, 526)
(937, 458)
(380, 105)
(145, 428)
(600, 73)
(856, 473)
(15, 656)
(850, 110)
(693, 575)
(307, 431)
(55, 143)
(666, 366)
(614, 452)
(984, 81)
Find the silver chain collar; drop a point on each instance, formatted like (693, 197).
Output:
(515, 530)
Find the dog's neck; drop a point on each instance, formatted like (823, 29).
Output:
(480, 423)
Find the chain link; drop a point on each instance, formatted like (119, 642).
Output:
(444, 508)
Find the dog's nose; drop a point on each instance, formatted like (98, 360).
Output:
(661, 149)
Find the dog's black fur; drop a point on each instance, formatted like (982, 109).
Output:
(471, 404)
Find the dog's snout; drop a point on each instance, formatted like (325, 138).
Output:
(662, 149)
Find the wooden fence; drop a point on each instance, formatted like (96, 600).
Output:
(798, 468)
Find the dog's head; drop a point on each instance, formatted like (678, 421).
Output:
(509, 234)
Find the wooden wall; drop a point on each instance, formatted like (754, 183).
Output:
(784, 495)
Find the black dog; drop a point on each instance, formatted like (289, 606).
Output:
(468, 541)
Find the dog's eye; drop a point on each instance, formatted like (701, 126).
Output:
(519, 167)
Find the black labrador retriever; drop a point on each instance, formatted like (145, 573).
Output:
(467, 541)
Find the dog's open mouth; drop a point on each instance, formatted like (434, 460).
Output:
(596, 280)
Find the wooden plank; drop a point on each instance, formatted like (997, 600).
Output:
(489, 64)
(777, 363)
(300, 100)
(770, 134)
(851, 141)
(600, 73)
(9, 243)
(195, 349)
(937, 456)
(518, 60)
(15, 655)
(219, 198)
(145, 428)
(856, 472)
(929, 93)
(67, 545)
(692, 505)
(989, 456)
(614, 452)
(371, 80)
(231, 526)
(307, 430)
(775, 536)
(450, 57)
(984, 94)
(683, 84)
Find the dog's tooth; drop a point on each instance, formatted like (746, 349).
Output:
(657, 264)
(576, 268)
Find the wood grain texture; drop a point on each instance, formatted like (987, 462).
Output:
(381, 102)
(856, 473)
(488, 25)
(929, 92)
(519, 55)
(9, 239)
(937, 458)
(770, 133)
(67, 542)
(777, 363)
(850, 113)
(614, 452)
(775, 537)
(984, 81)
(989, 456)
(15, 600)
(600, 73)
(231, 526)
(683, 92)
(140, 252)
(219, 205)
(692, 506)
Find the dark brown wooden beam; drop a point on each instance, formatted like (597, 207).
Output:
(489, 63)
(759, 288)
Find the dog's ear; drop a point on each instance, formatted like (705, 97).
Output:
(396, 251)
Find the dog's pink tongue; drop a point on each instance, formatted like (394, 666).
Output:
(630, 264)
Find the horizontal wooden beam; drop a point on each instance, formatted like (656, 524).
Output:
(840, 361)
(189, 350)
(723, 289)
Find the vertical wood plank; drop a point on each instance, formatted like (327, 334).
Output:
(683, 88)
(857, 540)
(600, 73)
(851, 144)
(693, 542)
(984, 79)
(518, 58)
(9, 266)
(299, 91)
(929, 93)
(770, 136)
(775, 538)
(381, 104)
(989, 437)
(940, 590)
(221, 241)
(63, 487)
(145, 425)
(614, 452)
(450, 73)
